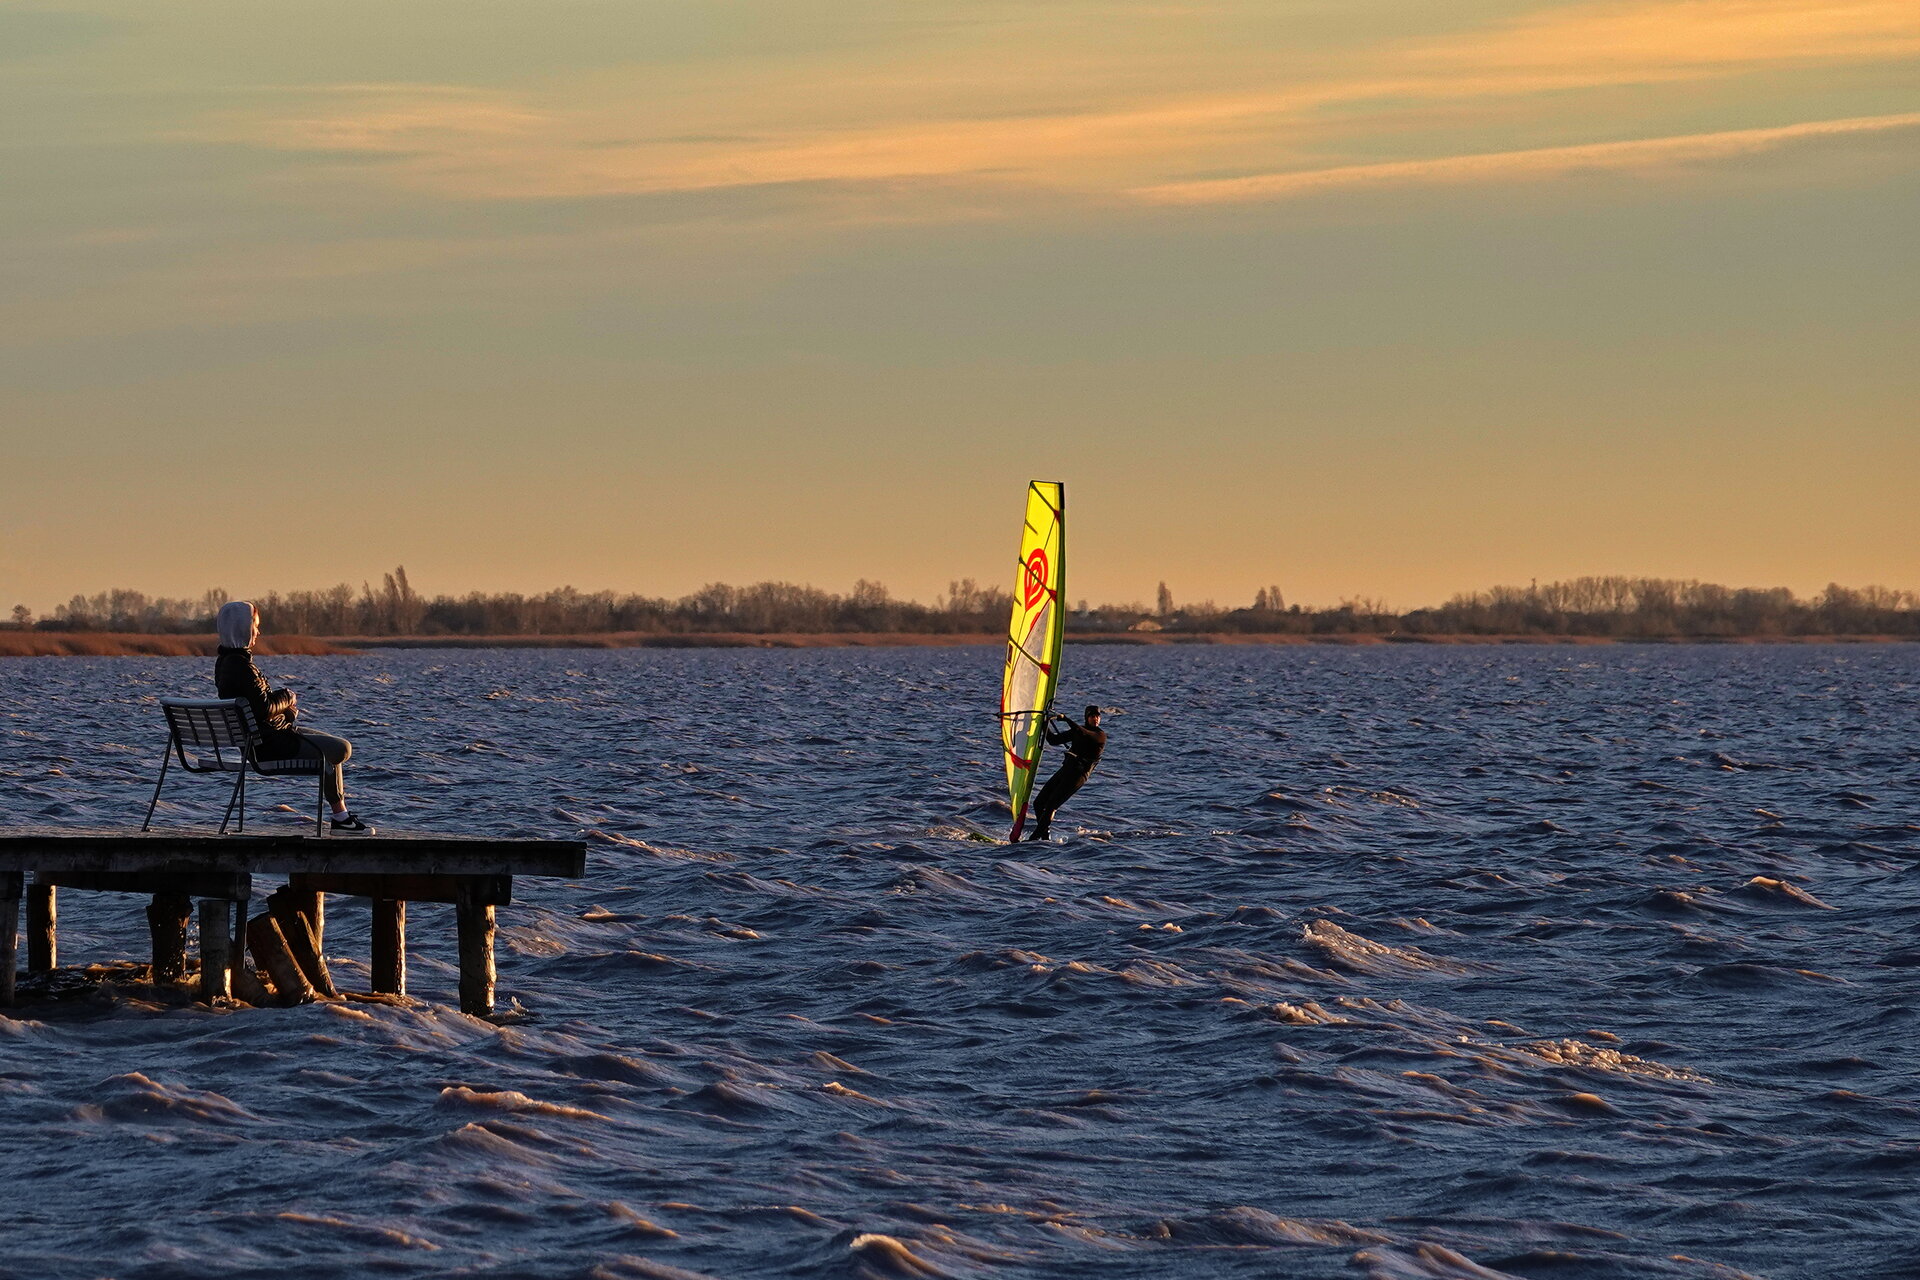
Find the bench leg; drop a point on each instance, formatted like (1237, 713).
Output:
(166, 758)
(216, 949)
(389, 947)
(43, 919)
(476, 951)
(238, 798)
(11, 885)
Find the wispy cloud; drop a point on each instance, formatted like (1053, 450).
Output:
(771, 128)
(1533, 163)
(1615, 41)
(420, 120)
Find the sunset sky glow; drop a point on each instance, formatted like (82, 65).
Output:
(1356, 297)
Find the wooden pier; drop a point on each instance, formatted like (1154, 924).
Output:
(475, 873)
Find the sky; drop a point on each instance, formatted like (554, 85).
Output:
(1356, 298)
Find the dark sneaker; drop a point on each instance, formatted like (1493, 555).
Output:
(351, 826)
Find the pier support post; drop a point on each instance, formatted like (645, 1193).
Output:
(389, 946)
(301, 933)
(313, 905)
(12, 883)
(474, 910)
(273, 957)
(216, 949)
(167, 918)
(43, 918)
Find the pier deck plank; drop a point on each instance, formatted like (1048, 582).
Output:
(79, 849)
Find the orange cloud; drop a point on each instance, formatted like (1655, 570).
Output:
(1538, 162)
(663, 137)
(1612, 41)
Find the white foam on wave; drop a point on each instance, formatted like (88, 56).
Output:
(1243, 1225)
(136, 1098)
(1593, 1057)
(1363, 955)
(1780, 892)
(1424, 1262)
(360, 1234)
(512, 1100)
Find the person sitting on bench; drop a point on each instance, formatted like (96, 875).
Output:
(274, 710)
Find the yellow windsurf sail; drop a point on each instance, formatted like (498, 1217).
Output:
(1033, 640)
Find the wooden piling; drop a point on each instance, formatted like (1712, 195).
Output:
(313, 906)
(475, 917)
(249, 988)
(272, 957)
(216, 949)
(167, 918)
(43, 951)
(390, 946)
(12, 884)
(289, 908)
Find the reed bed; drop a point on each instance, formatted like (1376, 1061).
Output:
(113, 644)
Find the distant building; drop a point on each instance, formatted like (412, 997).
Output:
(1146, 624)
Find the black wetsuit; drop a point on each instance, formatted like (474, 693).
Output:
(1084, 746)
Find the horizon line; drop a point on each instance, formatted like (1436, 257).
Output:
(1359, 600)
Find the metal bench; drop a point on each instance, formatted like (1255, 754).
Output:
(223, 738)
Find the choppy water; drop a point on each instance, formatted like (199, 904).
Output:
(1405, 963)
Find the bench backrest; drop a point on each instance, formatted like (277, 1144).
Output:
(212, 724)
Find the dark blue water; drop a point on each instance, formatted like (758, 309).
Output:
(1542, 962)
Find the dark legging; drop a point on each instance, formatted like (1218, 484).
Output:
(1059, 789)
(334, 751)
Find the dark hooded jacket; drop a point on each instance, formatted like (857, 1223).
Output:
(1083, 745)
(235, 676)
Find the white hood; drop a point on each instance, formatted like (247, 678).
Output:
(235, 624)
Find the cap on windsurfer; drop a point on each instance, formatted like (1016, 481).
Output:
(1084, 743)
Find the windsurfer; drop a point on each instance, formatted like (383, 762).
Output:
(1084, 743)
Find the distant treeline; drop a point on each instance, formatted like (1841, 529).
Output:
(1618, 608)
(394, 608)
(1665, 607)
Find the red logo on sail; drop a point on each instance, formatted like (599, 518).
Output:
(1036, 580)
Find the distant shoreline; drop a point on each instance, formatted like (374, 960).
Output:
(103, 644)
(116, 644)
